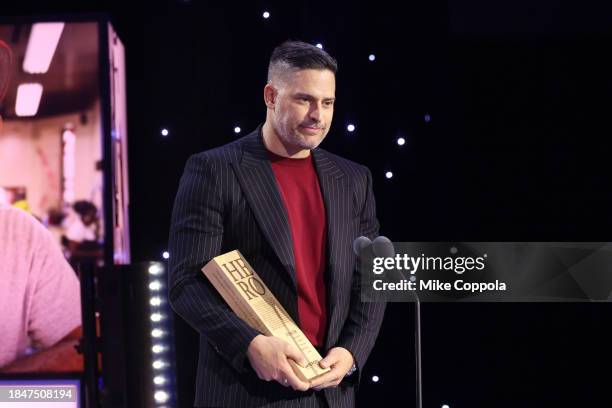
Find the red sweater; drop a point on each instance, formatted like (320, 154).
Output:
(299, 188)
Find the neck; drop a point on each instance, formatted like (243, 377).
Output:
(275, 144)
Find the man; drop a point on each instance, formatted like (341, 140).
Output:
(293, 210)
(39, 297)
(39, 292)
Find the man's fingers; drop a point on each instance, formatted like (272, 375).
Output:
(326, 385)
(292, 380)
(329, 377)
(327, 362)
(333, 383)
(330, 359)
(295, 354)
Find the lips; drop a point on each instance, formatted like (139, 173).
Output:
(310, 129)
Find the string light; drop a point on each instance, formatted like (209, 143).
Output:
(161, 343)
(161, 396)
(155, 269)
(155, 285)
(158, 364)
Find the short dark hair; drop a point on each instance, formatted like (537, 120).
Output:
(84, 207)
(297, 55)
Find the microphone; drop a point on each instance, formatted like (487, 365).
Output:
(361, 243)
(383, 247)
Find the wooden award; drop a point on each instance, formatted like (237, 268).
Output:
(252, 301)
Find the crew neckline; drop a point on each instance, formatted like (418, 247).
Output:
(288, 161)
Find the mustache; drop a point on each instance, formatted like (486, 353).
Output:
(313, 125)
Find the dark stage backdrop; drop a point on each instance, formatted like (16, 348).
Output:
(505, 108)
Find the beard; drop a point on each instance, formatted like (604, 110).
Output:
(293, 137)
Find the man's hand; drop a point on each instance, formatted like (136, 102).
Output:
(269, 358)
(61, 357)
(340, 360)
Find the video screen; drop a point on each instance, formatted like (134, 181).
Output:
(51, 190)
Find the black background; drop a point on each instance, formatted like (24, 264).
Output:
(520, 99)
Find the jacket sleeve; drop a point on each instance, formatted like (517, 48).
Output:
(196, 233)
(364, 318)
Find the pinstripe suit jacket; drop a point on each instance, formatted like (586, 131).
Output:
(228, 199)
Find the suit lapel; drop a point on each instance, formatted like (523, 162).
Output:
(260, 188)
(336, 191)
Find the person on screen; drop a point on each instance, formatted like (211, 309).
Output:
(39, 299)
(85, 224)
(293, 211)
(81, 233)
(40, 322)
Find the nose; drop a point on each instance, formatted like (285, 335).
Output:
(315, 112)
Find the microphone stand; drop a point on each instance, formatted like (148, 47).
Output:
(358, 245)
(417, 343)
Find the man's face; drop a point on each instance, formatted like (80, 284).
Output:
(304, 107)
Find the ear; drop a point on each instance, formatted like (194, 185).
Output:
(270, 94)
